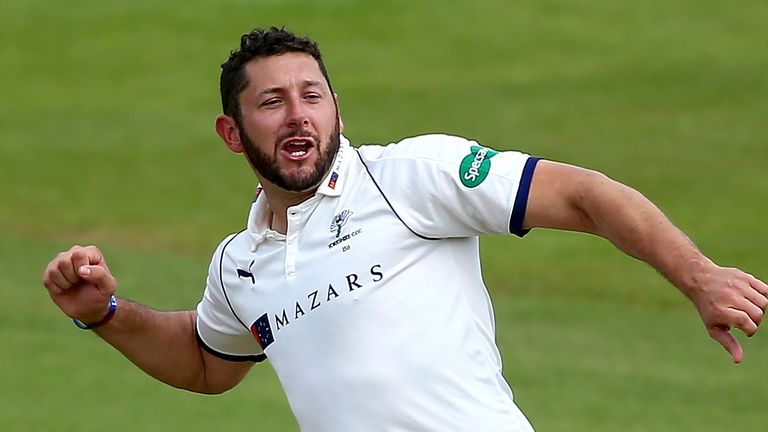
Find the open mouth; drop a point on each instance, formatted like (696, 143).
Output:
(297, 148)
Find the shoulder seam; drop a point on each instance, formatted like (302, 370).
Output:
(391, 207)
(221, 278)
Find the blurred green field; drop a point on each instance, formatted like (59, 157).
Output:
(107, 137)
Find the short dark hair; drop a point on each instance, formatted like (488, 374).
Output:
(255, 44)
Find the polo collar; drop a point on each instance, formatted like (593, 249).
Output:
(334, 181)
(331, 186)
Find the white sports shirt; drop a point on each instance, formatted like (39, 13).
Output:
(372, 308)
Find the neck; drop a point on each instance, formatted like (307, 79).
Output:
(279, 200)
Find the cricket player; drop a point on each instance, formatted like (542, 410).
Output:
(358, 275)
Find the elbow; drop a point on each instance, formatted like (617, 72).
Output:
(202, 386)
(213, 390)
(585, 203)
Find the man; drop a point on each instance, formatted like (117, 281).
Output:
(358, 272)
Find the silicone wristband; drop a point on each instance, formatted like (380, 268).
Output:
(106, 319)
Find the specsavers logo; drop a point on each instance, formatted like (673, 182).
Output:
(475, 166)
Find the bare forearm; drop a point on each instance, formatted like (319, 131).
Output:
(724, 297)
(572, 198)
(578, 199)
(637, 227)
(162, 344)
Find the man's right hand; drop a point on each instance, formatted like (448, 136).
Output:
(80, 283)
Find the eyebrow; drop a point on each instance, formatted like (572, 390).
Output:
(278, 89)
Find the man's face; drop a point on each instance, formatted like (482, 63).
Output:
(290, 123)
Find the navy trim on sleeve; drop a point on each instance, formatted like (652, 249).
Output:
(229, 357)
(521, 200)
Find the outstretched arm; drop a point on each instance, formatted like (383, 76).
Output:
(163, 344)
(571, 198)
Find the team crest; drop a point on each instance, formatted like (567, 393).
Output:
(339, 221)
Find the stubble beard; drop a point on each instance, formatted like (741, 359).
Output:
(301, 181)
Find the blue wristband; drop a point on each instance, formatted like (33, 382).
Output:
(106, 319)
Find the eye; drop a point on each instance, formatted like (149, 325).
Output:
(312, 97)
(269, 103)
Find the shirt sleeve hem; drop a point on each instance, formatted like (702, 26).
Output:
(521, 200)
(258, 358)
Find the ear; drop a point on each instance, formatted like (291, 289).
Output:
(338, 112)
(227, 129)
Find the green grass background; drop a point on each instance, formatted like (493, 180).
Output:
(106, 137)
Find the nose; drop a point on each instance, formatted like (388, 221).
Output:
(297, 116)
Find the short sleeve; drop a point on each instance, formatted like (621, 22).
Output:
(219, 330)
(449, 186)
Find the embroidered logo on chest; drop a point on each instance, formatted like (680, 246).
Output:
(339, 221)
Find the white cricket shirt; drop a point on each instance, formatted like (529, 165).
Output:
(372, 308)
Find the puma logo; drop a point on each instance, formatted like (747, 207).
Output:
(247, 274)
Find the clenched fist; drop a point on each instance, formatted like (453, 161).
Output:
(80, 283)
